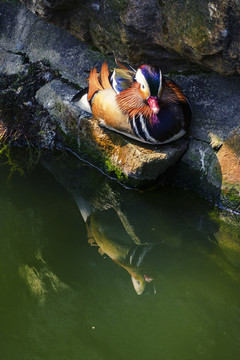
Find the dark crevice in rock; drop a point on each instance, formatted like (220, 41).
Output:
(215, 148)
(201, 140)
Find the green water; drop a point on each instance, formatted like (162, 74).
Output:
(61, 299)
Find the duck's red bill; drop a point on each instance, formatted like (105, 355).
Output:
(153, 103)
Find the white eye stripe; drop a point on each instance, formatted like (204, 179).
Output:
(140, 78)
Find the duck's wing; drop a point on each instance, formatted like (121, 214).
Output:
(122, 79)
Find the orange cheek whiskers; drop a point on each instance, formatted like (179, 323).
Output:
(131, 102)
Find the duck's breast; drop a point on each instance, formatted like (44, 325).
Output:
(106, 110)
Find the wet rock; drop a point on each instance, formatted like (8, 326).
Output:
(11, 63)
(206, 33)
(132, 163)
(45, 8)
(215, 101)
(21, 31)
(216, 106)
(22, 121)
(228, 235)
(56, 98)
(198, 171)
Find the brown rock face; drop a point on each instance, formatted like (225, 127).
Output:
(133, 163)
(163, 32)
(229, 160)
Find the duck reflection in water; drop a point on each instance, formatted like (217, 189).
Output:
(133, 228)
(100, 202)
(129, 257)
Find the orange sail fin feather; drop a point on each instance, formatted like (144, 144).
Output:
(98, 82)
(94, 84)
(105, 76)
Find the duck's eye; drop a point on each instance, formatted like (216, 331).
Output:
(142, 86)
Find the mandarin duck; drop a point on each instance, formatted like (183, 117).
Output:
(141, 104)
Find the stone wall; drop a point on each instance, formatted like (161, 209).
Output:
(203, 32)
(211, 164)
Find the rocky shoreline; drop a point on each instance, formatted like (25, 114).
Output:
(43, 66)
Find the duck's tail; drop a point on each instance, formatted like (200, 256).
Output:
(81, 99)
